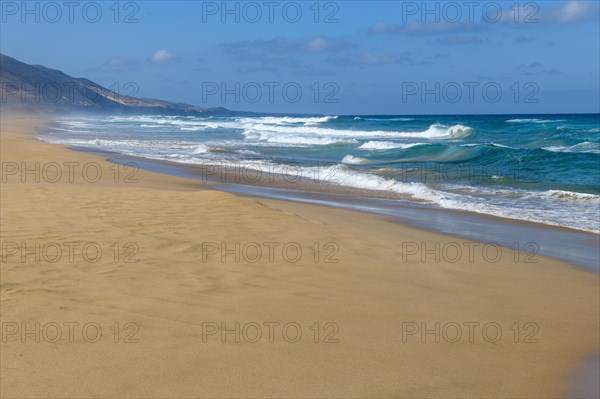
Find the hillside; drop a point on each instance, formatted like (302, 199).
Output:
(36, 88)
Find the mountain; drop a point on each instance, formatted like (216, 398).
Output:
(35, 88)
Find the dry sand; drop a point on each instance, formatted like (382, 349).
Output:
(170, 292)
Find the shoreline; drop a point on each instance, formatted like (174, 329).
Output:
(430, 182)
(580, 247)
(322, 183)
(170, 293)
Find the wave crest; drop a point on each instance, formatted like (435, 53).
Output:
(387, 145)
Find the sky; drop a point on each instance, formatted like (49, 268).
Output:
(327, 57)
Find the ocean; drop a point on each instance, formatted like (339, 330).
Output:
(539, 168)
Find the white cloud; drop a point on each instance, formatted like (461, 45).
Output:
(164, 57)
(317, 44)
(574, 11)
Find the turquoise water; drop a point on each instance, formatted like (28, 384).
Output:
(543, 168)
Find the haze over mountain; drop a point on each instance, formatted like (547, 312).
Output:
(36, 88)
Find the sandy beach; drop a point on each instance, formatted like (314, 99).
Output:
(119, 283)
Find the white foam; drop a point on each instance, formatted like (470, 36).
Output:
(201, 149)
(435, 131)
(502, 146)
(282, 120)
(293, 140)
(585, 147)
(193, 128)
(387, 145)
(572, 195)
(135, 146)
(305, 126)
(349, 159)
(248, 152)
(491, 144)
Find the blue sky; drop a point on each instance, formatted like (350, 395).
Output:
(329, 57)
